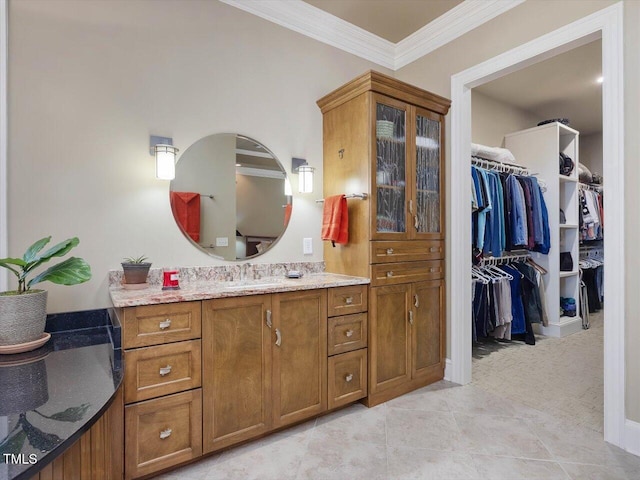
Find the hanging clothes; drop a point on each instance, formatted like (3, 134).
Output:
(591, 214)
(511, 214)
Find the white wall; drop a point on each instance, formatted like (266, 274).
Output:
(591, 152)
(492, 119)
(91, 80)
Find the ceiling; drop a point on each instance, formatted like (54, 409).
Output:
(391, 20)
(564, 86)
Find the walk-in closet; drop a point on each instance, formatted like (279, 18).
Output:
(538, 230)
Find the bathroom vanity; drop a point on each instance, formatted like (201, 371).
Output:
(218, 363)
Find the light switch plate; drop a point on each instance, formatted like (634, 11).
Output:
(222, 241)
(307, 246)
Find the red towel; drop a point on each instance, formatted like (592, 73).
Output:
(186, 209)
(335, 220)
(287, 213)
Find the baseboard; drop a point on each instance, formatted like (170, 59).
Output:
(632, 437)
(447, 369)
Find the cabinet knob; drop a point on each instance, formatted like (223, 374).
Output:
(278, 337)
(165, 324)
(389, 251)
(348, 300)
(349, 333)
(389, 274)
(348, 377)
(434, 249)
(165, 370)
(432, 270)
(165, 433)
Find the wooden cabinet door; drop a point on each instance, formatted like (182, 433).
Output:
(389, 335)
(299, 355)
(237, 389)
(427, 329)
(426, 175)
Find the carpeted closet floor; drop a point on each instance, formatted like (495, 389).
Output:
(560, 376)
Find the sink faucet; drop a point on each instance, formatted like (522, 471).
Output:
(245, 268)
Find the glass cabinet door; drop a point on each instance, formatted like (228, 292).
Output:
(390, 172)
(427, 221)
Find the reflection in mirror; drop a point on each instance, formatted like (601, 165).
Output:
(228, 196)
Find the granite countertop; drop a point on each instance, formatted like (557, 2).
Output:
(49, 397)
(204, 290)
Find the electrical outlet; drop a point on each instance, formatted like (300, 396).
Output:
(222, 241)
(307, 246)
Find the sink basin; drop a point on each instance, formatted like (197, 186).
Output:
(250, 286)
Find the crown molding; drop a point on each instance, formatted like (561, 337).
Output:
(308, 20)
(313, 22)
(456, 22)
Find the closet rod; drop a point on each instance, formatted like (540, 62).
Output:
(501, 166)
(505, 259)
(590, 186)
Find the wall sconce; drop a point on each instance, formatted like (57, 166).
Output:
(305, 174)
(164, 151)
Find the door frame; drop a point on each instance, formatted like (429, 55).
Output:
(606, 24)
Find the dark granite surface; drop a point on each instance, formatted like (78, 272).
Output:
(49, 397)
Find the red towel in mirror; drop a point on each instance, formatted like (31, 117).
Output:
(186, 209)
(335, 220)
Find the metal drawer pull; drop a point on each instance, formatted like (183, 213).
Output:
(341, 152)
(269, 322)
(434, 249)
(165, 324)
(432, 269)
(165, 433)
(348, 300)
(411, 207)
(416, 223)
(411, 317)
(416, 301)
(278, 337)
(165, 370)
(348, 377)
(389, 274)
(349, 333)
(389, 251)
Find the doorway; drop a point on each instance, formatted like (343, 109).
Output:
(607, 25)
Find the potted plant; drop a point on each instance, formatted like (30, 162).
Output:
(23, 312)
(136, 270)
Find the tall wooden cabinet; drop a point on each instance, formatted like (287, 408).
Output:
(385, 138)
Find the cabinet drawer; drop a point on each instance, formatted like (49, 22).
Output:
(347, 333)
(347, 377)
(408, 251)
(164, 323)
(346, 300)
(154, 371)
(395, 273)
(162, 433)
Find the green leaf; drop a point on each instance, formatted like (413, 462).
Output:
(32, 251)
(58, 250)
(71, 414)
(12, 445)
(12, 261)
(70, 272)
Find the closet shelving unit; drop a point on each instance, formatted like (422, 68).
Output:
(539, 148)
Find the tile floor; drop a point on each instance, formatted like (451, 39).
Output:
(451, 432)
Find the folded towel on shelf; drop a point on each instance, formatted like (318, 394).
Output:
(496, 154)
(335, 220)
(186, 209)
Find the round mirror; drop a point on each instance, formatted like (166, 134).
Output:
(230, 197)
